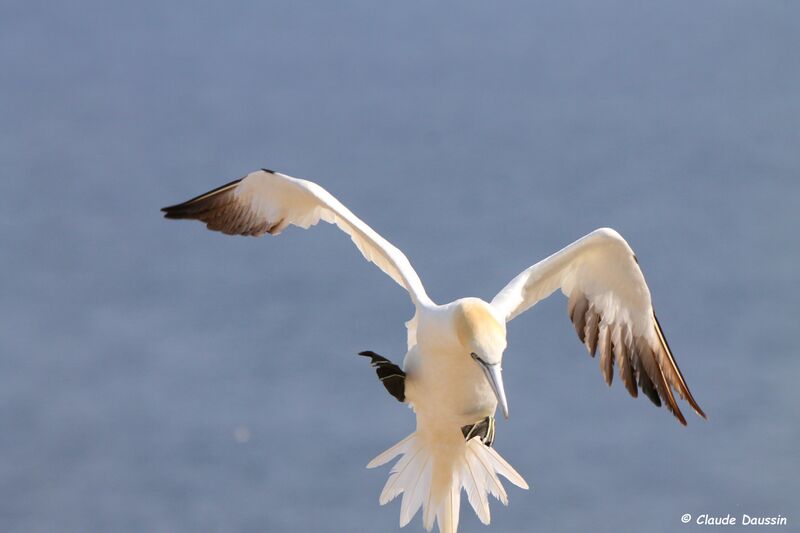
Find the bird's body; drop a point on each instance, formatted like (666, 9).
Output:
(451, 374)
(439, 385)
(448, 391)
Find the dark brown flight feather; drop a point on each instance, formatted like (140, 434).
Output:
(606, 355)
(679, 383)
(223, 211)
(592, 324)
(623, 359)
(653, 369)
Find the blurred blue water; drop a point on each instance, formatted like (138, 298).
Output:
(137, 356)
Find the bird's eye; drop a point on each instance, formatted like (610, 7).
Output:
(478, 358)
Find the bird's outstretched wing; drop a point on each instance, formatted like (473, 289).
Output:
(267, 202)
(609, 304)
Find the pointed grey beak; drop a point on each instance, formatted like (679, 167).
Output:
(494, 374)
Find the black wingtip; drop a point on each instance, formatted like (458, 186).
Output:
(171, 211)
(268, 171)
(176, 212)
(188, 208)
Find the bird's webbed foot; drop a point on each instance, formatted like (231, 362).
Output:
(391, 375)
(484, 430)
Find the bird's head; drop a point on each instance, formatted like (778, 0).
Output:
(483, 337)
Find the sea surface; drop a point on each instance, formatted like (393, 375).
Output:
(158, 377)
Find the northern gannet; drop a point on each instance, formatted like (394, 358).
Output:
(451, 375)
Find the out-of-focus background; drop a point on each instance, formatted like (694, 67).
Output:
(155, 376)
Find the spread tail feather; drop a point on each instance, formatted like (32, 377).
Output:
(432, 471)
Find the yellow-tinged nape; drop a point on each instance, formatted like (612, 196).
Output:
(478, 329)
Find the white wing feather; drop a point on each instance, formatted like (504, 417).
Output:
(609, 303)
(268, 202)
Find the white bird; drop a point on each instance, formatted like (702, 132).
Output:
(451, 374)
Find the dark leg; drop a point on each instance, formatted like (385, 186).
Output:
(484, 430)
(391, 375)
